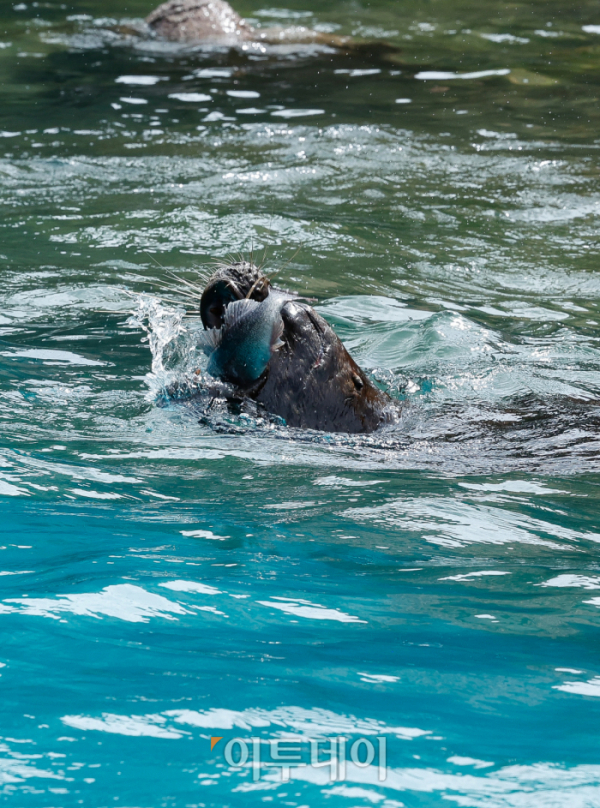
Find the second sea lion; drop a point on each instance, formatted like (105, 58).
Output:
(215, 21)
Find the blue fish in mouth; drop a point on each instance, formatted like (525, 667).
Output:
(241, 349)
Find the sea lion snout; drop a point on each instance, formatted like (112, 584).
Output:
(299, 327)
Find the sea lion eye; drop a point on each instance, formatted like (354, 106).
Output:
(358, 382)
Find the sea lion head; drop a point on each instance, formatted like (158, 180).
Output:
(309, 379)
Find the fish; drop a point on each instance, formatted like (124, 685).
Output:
(241, 349)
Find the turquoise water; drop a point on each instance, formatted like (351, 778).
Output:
(168, 576)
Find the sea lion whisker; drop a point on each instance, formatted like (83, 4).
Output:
(185, 290)
(181, 293)
(188, 301)
(287, 263)
(169, 300)
(189, 289)
(174, 287)
(179, 279)
(176, 291)
(158, 264)
(202, 276)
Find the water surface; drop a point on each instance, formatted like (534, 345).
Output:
(435, 584)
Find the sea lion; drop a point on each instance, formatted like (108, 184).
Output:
(215, 21)
(306, 376)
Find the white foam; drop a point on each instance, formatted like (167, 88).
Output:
(311, 611)
(309, 722)
(297, 113)
(203, 534)
(52, 356)
(469, 761)
(290, 506)
(211, 609)
(591, 29)
(377, 678)
(127, 602)
(82, 492)
(470, 575)
(10, 490)
(498, 135)
(213, 73)
(149, 726)
(214, 116)
(372, 71)
(191, 586)
(501, 38)
(15, 771)
(192, 98)
(140, 80)
(514, 486)
(589, 688)
(437, 75)
(458, 523)
(579, 581)
(346, 482)
(357, 793)
(526, 786)
(243, 93)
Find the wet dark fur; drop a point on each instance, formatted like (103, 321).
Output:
(311, 382)
(198, 21)
(216, 21)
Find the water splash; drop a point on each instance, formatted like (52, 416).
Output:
(173, 345)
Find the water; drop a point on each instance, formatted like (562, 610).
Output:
(168, 575)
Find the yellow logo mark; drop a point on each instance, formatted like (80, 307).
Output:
(214, 742)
